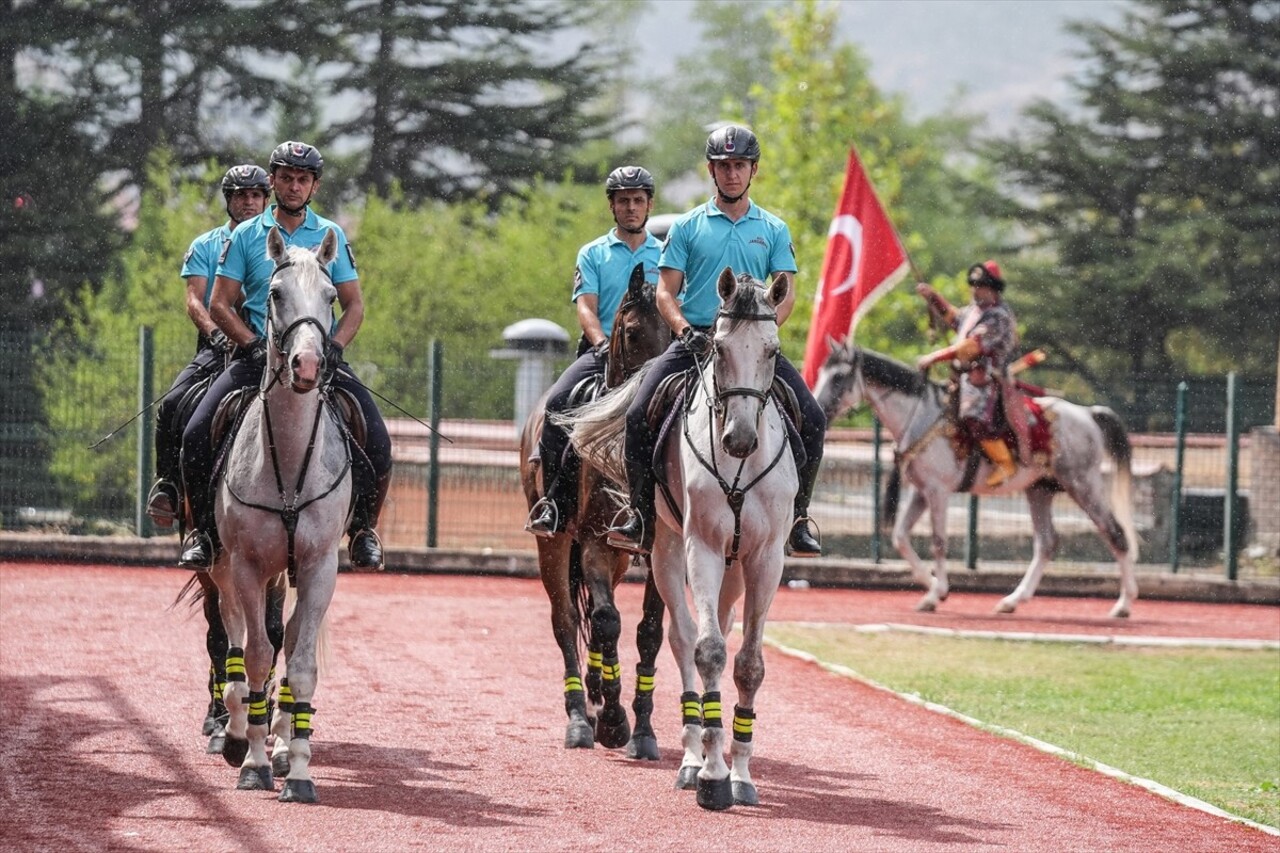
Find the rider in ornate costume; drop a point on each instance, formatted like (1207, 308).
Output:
(986, 336)
(600, 280)
(728, 230)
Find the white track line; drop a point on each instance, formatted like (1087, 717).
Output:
(1095, 639)
(1150, 785)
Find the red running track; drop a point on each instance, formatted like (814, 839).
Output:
(439, 727)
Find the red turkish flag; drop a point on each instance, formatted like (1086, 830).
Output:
(864, 259)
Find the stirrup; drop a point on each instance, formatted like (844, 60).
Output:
(616, 538)
(806, 520)
(543, 531)
(376, 561)
(160, 515)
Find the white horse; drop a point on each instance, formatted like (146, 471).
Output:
(914, 411)
(733, 479)
(281, 506)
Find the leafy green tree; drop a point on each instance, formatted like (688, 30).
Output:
(461, 98)
(819, 102)
(457, 272)
(1153, 213)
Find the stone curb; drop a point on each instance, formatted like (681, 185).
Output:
(826, 572)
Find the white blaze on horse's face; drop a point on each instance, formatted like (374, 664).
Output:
(300, 310)
(839, 386)
(746, 351)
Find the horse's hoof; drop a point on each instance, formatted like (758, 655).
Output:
(643, 748)
(687, 778)
(744, 794)
(612, 733)
(216, 744)
(1005, 607)
(280, 764)
(298, 791)
(1120, 613)
(255, 779)
(234, 750)
(715, 794)
(210, 725)
(926, 606)
(579, 735)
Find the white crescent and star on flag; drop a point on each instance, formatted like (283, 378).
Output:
(847, 226)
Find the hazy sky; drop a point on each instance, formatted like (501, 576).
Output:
(1003, 52)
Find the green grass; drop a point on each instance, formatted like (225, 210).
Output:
(1205, 722)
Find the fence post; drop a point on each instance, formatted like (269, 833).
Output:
(1233, 469)
(146, 393)
(1180, 445)
(875, 490)
(971, 537)
(433, 463)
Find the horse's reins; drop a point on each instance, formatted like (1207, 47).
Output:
(289, 512)
(734, 495)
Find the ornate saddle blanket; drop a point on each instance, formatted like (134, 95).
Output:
(1039, 432)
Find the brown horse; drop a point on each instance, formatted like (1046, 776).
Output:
(580, 572)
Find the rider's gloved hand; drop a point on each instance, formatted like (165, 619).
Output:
(601, 350)
(333, 358)
(218, 342)
(255, 352)
(695, 341)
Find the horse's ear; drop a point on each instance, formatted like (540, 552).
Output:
(636, 287)
(727, 284)
(833, 345)
(328, 248)
(779, 289)
(275, 245)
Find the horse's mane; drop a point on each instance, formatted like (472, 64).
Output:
(889, 373)
(746, 299)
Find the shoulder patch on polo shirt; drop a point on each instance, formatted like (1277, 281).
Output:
(226, 247)
(351, 255)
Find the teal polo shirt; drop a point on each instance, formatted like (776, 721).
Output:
(704, 241)
(202, 257)
(245, 259)
(604, 269)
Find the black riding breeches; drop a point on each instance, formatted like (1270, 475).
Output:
(377, 445)
(197, 454)
(170, 423)
(555, 440)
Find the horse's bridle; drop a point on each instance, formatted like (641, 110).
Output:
(734, 494)
(280, 337)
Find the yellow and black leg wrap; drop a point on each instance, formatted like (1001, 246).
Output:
(743, 721)
(575, 695)
(235, 664)
(258, 707)
(286, 697)
(691, 709)
(711, 710)
(302, 712)
(611, 673)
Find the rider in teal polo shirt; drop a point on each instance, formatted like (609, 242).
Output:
(244, 272)
(727, 231)
(600, 281)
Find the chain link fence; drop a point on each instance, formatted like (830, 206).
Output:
(53, 408)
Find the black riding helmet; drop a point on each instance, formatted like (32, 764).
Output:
(629, 178)
(733, 142)
(246, 176)
(298, 155)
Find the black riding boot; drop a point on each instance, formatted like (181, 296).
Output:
(550, 515)
(201, 546)
(801, 542)
(635, 535)
(365, 548)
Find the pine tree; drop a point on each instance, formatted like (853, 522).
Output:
(463, 98)
(1156, 209)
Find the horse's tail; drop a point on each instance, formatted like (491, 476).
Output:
(580, 598)
(1116, 442)
(597, 429)
(891, 494)
(192, 592)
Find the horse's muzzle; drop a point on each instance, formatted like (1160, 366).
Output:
(304, 371)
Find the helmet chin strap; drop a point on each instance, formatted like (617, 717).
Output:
(292, 211)
(639, 230)
(731, 199)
